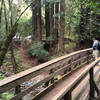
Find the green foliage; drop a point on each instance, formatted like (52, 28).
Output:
(37, 51)
(6, 96)
(49, 39)
(7, 60)
(71, 45)
(1, 76)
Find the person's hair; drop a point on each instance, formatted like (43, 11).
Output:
(93, 38)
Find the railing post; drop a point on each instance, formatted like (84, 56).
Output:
(18, 90)
(88, 58)
(92, 91)
(68, 96)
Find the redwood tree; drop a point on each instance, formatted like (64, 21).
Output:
(56, 20)
(62, 25)
(47, 18)
(52, 18)
(36, 20)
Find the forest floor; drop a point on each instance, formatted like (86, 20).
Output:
(25, 59)
(22, 58)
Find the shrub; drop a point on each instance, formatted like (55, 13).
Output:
(1, 76)
(49, 40)
(37, 51)
(6, 96)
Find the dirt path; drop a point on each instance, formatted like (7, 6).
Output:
(25, 59)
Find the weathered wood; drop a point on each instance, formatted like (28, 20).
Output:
(91, 85)
(15, 80)
(59, 71)
(68, 96)
(66, 88)
(96, 88)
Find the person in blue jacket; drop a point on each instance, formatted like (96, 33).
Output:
(95, 48)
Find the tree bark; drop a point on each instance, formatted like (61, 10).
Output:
(39, 35)
(47, 18)
(14, 63)
(36, 20)
(15, 68)
(56, 21)
(52, 19)
(62, 25)
(6, 20)
(2, 1)
(4, 47)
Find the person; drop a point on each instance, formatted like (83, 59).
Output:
(95, 48)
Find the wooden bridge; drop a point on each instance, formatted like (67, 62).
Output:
(72, 68)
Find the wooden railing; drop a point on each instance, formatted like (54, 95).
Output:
(92, 84)
(60, 66)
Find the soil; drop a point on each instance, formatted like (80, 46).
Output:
(26, 60)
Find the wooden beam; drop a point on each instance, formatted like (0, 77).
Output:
(92, 91)
(17, 79)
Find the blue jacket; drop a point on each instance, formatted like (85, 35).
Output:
(95, 45)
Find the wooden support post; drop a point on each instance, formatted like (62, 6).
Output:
(91, 85)
(88, 58)
(68, 96)
(96, 88)
(18, 90)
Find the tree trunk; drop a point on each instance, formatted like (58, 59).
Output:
(15, 68)
(4, 47)
(5, 14)
(36, 20)
(2, 1)
(52, 19)
(56, 21)
(39, 35)
(47, 18)
(14, 63)
(62, 25)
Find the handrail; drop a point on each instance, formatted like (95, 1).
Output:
(15, 80)
(78, 80)
(66, 91)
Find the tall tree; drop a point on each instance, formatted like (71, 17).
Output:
(62, 25)
(2, 1)
(36, 20)
(14, 63)
(56, 20)
(52, 18)
(47, 18)
(11, 33)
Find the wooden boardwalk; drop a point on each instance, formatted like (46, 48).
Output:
(73, 68)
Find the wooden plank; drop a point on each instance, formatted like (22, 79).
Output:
(59, 71)
(53, 85)
(92, 91)
(66, 88)
(68, 96)
(17, 79)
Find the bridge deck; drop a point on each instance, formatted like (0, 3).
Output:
(59, 90)
(71, 67)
